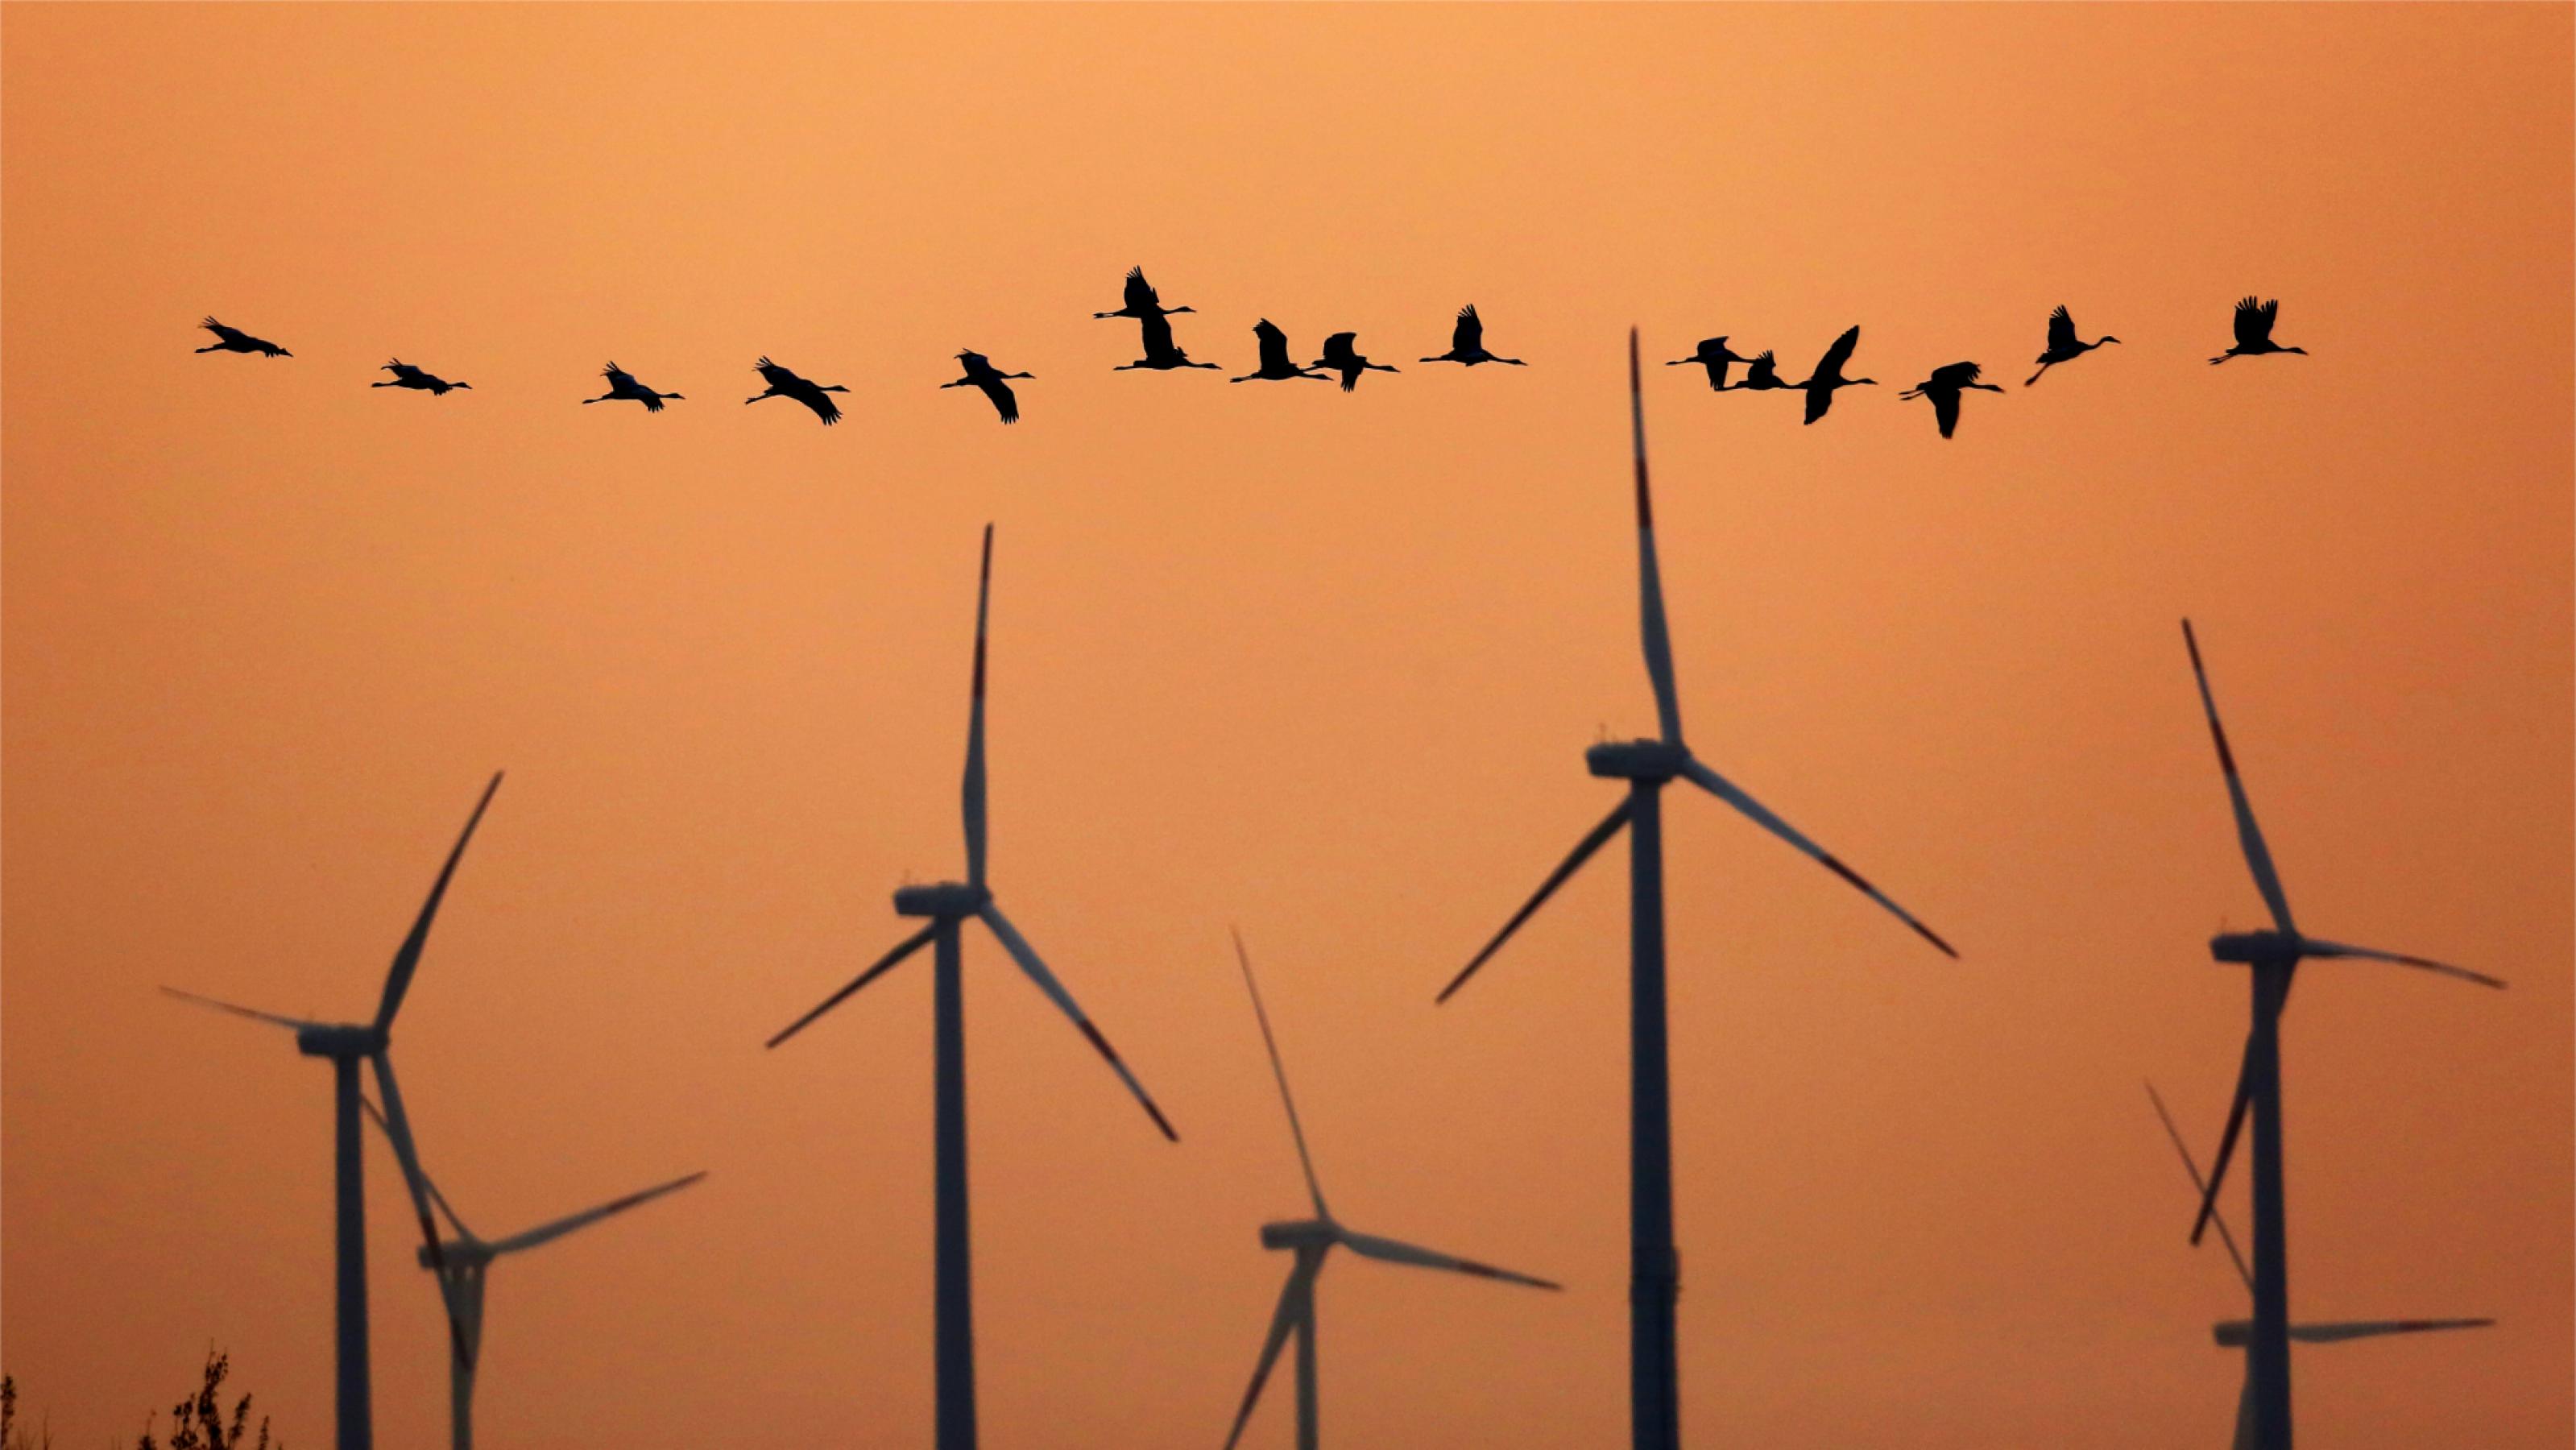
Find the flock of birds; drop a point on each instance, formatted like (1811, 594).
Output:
(1947, 385)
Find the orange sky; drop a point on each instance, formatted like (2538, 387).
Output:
(1322, 665)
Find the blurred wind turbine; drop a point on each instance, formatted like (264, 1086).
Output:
(2239, 1333)
(1648, 766)
(1310, 1239)
(347, 1044)
(947, 905)
(2274, 956)
(461, 1263)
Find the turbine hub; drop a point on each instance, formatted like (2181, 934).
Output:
(947, 900)
(343, 1040)
(1296, 1234)
(1656, 760)
(2254, 948)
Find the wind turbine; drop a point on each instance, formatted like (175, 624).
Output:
(2274, 956)
(1312, 1238)
(2239, 1333)
(461, 1264)
(347, 1044)
(1648, 766)
(947, 905)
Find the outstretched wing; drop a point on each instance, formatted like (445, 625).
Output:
(1339, 346)
(1469, 334)
(1954, 376)
(774, 375)
(1156, 331)
(1765, 370)
(1274, 346)
(620, 380)
(2061, 331)
(1140, 293)
(1831, 365)
(2254, 321)
(1945, 407)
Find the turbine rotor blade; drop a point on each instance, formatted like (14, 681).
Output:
(1726, 790)
(2198, 1185)
(1296, 1301)
(1026, 955)
(972, 793)
(1395, 1252)
(2258, 857)
(2226, 1144)
(398, 1132)
(1314, 1190)
(1592, 841)
(547, 1232)
(440, 1199)
(883, 965)
(291, 1024)
(2373, 1329)
(2311, 947)
(407, 957)
(1650, 584)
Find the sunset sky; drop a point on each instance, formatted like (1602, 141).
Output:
(1320, 665)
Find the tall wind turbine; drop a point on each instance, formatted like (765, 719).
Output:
(2274, 956)
(2239, 1333)
(461, 1263)
(347, 1044)
(1648, 766)
(947, 906)
(1312, 1238)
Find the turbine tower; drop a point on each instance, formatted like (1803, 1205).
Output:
(947, 906)
(347, 1044)
(461, 1264)
(1648, 766)
(1312, 1238)
(2274, 957)
(2239, 1333)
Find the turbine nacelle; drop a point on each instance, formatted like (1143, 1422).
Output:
(341, 1040)
(455, 1254)
(945, 900)
(1637, 759)
(1300, 1233)
(2257, 948)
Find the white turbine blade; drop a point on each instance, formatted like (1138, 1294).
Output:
(1296, 1301)
(291, 1024)
(445, 1209)
(544, 1233)
(2200, 1186)
(973, 791)
(2248, 835)
(2373, 1329)
(1027, 957)
(1314, 1190)
(1725, 790)
(2311, 947)
(879, 968)
(1395, 1252)
(407, 956)
(398, 1132)
(1650, 583)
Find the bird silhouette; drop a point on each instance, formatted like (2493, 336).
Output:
(980, 373)
(785, 384)
(1944, 387)
(407, 376)
(2254, 331)
(1828, 375)
(1141, 302)
(233, 339)
(2063, 344)
(1342, 355)
(1161, 353)
(1275, 366)
(1762, 375)
(622, 387)
(1712, 354)
(1467, 342)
